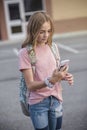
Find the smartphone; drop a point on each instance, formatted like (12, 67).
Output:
(64, 62)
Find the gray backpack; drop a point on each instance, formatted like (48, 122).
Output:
(24, 93)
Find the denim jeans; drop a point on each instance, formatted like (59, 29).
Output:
(47, 114)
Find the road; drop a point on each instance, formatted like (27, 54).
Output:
(75, 98)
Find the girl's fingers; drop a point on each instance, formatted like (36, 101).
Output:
(64, 68)
(69, 78)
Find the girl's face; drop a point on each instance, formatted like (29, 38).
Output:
(44, 33)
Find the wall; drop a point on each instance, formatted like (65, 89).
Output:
(69, 9)
(3, 31)
(69, 15)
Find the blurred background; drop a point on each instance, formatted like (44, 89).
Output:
(68, 16)
(70, 21)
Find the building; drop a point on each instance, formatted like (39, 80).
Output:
(68, 16)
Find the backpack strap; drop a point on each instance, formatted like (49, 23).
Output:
(55, 51)
(32, 56)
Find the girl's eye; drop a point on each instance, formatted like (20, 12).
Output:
(49, 31)
(41, 32)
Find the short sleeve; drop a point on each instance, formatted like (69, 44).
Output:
(24, 61)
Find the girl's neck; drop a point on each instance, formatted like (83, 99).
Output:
(42, 44)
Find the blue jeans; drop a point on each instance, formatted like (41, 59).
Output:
(47, 114)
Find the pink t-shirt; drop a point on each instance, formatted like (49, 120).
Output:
(44, 68)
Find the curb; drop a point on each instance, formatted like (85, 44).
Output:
(71, 34)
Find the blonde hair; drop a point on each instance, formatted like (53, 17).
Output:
(34, 25)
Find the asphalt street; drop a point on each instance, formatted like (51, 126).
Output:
(75, 97)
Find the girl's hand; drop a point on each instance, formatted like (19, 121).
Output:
(57, 75)
(69, 78)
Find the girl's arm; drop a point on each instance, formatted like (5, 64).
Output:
(32, 85)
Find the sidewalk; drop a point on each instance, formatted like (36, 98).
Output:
(64, 35)
(8, 42)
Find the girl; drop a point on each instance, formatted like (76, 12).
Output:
(45, 97)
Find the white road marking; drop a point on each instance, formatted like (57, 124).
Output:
(68, 48)
(15, 50)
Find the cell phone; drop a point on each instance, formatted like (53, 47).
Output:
(64, 62)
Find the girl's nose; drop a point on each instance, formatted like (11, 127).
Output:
(46, 34)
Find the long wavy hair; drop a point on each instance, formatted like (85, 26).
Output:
(34, 25)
